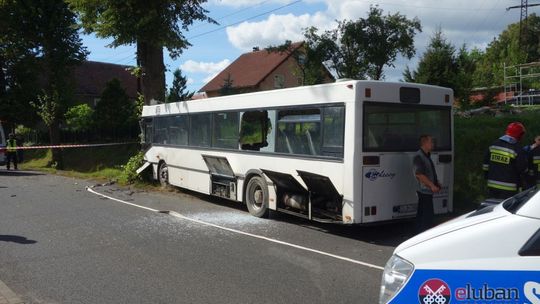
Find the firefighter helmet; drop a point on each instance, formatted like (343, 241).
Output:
(516, 130)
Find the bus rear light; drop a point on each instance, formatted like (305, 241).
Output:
(370, 211)
(371, 160)
(368, 92)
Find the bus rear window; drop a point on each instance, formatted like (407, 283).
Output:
(397, 127)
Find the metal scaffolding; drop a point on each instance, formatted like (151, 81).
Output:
(517, 81)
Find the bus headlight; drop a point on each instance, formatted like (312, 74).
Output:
(396, 273)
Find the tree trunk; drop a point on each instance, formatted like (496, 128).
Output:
(54, 135)
(153, 68)
(2, 77)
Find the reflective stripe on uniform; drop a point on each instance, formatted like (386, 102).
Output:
(11, 145)
(503, 151)
(536, 160)
(485, 167)
(501, 185)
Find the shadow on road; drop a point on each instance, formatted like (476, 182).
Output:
(16, 239)
(18, 173)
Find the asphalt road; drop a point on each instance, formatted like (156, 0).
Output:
(59, 243)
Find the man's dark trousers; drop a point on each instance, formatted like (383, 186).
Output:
(11, 157)
(424, 214)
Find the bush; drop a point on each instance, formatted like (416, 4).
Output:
(80, 118)
(472, 138)
(129, 170)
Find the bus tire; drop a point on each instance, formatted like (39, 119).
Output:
(163, 174)
(257, 197)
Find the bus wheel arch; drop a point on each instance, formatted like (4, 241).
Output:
(163, 173)
(256, 196)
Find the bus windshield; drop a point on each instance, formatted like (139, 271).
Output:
(397, 127)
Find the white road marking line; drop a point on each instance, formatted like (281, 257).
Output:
(178, 215)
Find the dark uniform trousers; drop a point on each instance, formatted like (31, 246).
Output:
(11, 153)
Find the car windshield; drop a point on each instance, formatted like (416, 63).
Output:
(517, 201)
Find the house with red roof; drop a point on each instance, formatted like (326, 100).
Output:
(91, 78)
(259, 70)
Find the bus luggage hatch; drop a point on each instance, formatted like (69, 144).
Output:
(289, 191)
(323, 192)
(222, 178)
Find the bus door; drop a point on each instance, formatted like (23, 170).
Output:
(223, 182)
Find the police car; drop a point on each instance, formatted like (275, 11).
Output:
(491, 255)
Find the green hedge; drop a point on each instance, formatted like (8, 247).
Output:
(472, 137)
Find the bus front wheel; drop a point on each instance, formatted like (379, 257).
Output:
(257, 197)
(163, 175)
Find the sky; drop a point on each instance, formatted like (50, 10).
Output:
(244, 24)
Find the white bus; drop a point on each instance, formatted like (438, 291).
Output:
(339, 152)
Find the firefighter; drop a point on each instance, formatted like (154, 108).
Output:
(11, 151)
(534, 163)
(505, 163)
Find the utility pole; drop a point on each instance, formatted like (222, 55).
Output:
(523, 18)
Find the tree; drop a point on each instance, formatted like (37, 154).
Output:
(115, 113)
(506, 50)
(80, 118)
(310, 67)
(442, 65)
(151, 25)
(178, 91)
(42, 36)
(361, 49)
(437, 66)
(227, 87)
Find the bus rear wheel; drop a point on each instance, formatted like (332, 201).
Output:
(257, 197)
(163, 175)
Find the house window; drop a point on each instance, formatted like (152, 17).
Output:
(279, 81)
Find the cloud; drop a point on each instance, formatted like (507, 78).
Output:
(474, 23)
(244, 3)
(192, 66)
(275, 30)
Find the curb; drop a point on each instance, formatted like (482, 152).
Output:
(7, 296)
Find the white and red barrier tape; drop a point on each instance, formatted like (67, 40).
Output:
(3, 149)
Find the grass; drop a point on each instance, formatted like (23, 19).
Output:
(98, 163)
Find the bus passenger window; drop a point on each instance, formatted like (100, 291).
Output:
(299, 132)
(146, 129)
(178, 130)
(201, 130)
(333, 129)
(254, 130)
(161, 135)
(225, 130)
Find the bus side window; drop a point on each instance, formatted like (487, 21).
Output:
(201, 130)
(178, 130)
(333, 130)
(254, 129)
(299, 132)
(146, 129)
(225, 133)
(161, 135)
